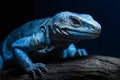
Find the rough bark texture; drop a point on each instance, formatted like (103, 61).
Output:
(84, 68)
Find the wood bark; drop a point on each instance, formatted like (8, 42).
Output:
(82, 68)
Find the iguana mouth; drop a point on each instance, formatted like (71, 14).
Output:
(80, 33)
(66, 31)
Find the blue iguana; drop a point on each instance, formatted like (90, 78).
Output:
(46, 35)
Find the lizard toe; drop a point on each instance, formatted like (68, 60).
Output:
(82, 52)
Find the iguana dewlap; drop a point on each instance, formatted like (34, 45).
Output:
(44, 36)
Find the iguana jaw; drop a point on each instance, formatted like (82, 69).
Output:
(76, 34)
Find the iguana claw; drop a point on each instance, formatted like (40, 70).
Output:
(36, 69)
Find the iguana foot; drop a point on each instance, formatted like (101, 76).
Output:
(82, 52)
(36, 69)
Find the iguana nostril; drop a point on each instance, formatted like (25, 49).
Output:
(92, 27)
(95, 29)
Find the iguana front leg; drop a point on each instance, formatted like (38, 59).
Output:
(25, 62)
(71, 51)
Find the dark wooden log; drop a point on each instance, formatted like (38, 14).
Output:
(83, 68)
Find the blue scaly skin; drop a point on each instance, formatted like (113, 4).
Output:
(47, 35)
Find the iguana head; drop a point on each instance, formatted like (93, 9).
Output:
(72, 26)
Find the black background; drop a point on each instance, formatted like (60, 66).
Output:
(14, 13)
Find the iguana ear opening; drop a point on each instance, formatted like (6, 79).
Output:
(75, 21)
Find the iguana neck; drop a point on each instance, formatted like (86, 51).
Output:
(46, 26)
(49, 33)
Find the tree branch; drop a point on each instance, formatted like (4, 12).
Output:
(83, 68)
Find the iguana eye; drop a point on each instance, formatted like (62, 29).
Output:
(75, 21)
